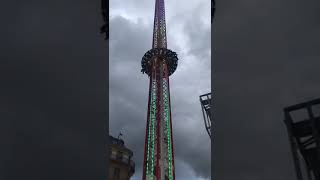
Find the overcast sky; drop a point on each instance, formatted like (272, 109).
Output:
(189, 34)
(53, 84)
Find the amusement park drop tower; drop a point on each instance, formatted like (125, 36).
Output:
(159, 63)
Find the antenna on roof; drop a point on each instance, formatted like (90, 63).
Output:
(120, 134)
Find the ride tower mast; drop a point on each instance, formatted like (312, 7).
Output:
(159, 63)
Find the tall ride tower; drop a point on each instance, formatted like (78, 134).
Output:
(159, 63)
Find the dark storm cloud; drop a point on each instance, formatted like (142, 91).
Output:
(53, 86)
(126, 97)
(266, 57)
(130, 38)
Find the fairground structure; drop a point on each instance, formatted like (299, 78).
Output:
(159, 63)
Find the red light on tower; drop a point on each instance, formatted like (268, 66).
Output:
(159, 63)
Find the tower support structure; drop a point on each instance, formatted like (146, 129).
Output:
(159, 63)
(304, 137)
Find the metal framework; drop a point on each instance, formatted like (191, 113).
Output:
(206, 104)
(159, 63)
(105, 26)
(304, 139)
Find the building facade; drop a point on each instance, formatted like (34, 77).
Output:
(121, 165)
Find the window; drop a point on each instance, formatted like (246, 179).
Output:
(116, 173)
(125, 158)
(119, 155)
(113, 154)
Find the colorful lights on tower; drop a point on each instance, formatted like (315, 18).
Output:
(159, 63)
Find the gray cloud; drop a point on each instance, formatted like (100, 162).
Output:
(130, 38)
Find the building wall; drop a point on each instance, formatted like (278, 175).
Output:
(122, 170)
(121, 167)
